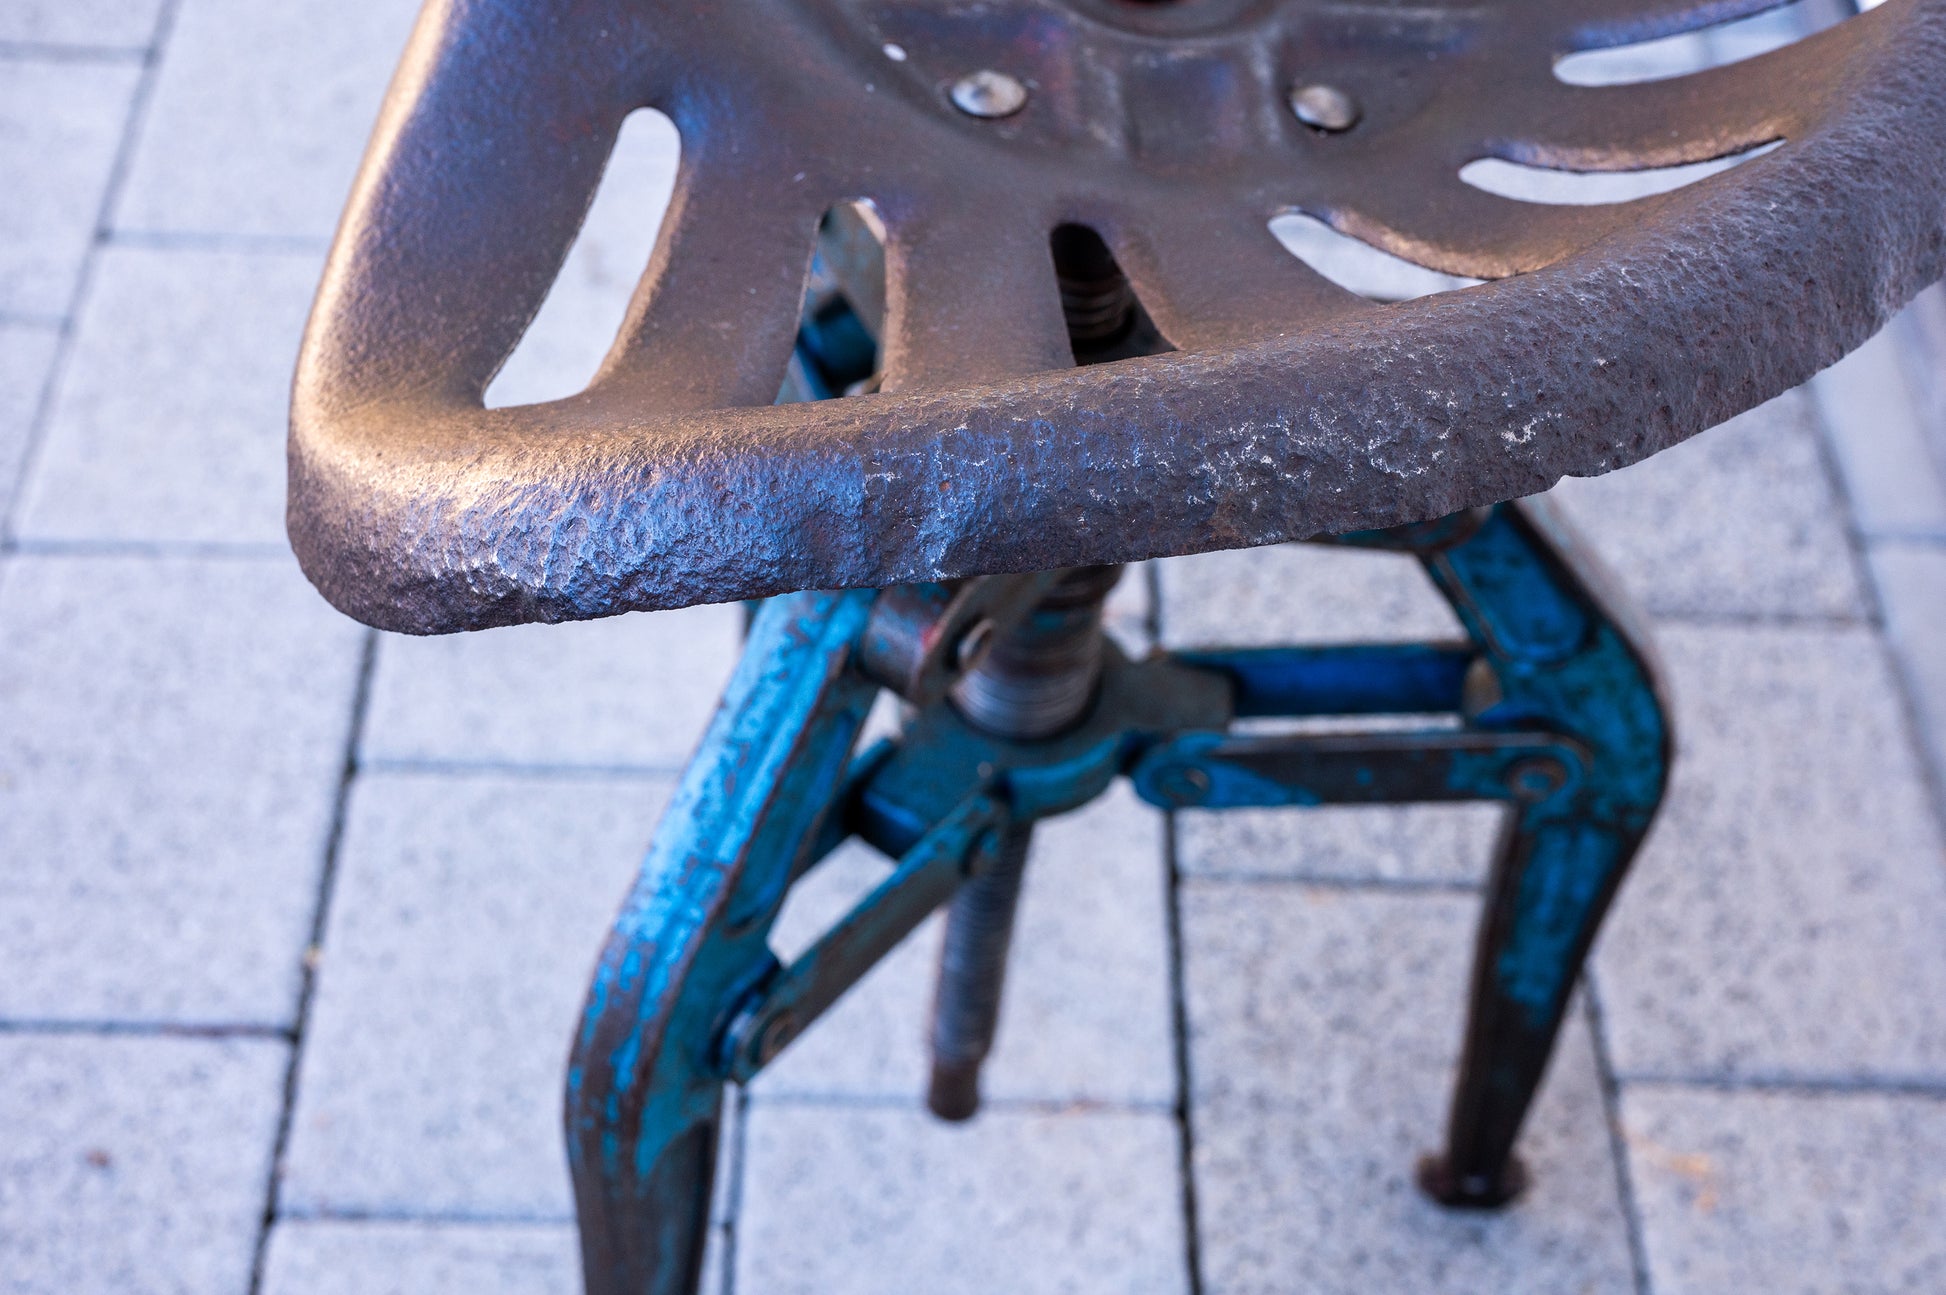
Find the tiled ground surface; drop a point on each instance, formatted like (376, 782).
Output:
(294, 917)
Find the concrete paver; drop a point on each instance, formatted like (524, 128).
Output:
(1878, 440)
(26, 356)
(467, 914)
(1299, 593)
(1324, 1031)
(172, 736)
(1911, 582)
(87, 24)
(168, 424)
(1783, 919)
(1790, 1193)
(1742, 520)
(60, 128)
(635, 690)
(1439, 845)
(340, 1257)
(882, 1200)
(260, 114)
(135, 1164)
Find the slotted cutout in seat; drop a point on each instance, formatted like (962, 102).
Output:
(843, 315)
(1548, 186)
(1357, 266)
(572, 331)
(1717, 45)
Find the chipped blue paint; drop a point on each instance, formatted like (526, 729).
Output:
(1535, 968)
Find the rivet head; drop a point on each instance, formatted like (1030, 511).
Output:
(989, 94)
(1324, 107)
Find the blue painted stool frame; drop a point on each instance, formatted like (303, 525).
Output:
(1553, 708)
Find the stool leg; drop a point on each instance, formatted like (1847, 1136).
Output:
(1550, 886)
(1564, 655)
(645, 1079)
(972, 973)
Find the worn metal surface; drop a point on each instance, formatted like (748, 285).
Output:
(1290, 409)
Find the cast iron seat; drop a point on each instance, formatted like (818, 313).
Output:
(1291, 408)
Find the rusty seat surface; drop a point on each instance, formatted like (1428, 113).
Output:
(1289, 408)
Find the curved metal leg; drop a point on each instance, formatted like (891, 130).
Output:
(646, 1076)
(1562, 654)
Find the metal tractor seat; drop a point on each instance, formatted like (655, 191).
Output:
(1009, 262)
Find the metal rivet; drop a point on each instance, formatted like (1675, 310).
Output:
(1325, 107)
(987, 93)
(973, 644)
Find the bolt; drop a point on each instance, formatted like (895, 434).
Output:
(989, 94)
(973, 644)
(1183, 784)
(1324, 107)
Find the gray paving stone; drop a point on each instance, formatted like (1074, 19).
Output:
(26, 354)
(1086, 1016)
(260, 114)
(95, 24)
(171, 739)
(867, 1200)
(571, 333)
(1324, 1028)
(1911, 583)
(336, 1257)
(635, 690)
(134, 1165)
(466, 918)
(1299, 593)
(60, 124)
(1740, 521)
(1879, 441)
(1436, 844)
(1921, 337)
(1783, 919)
(170, 419)
(1790, 1194)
